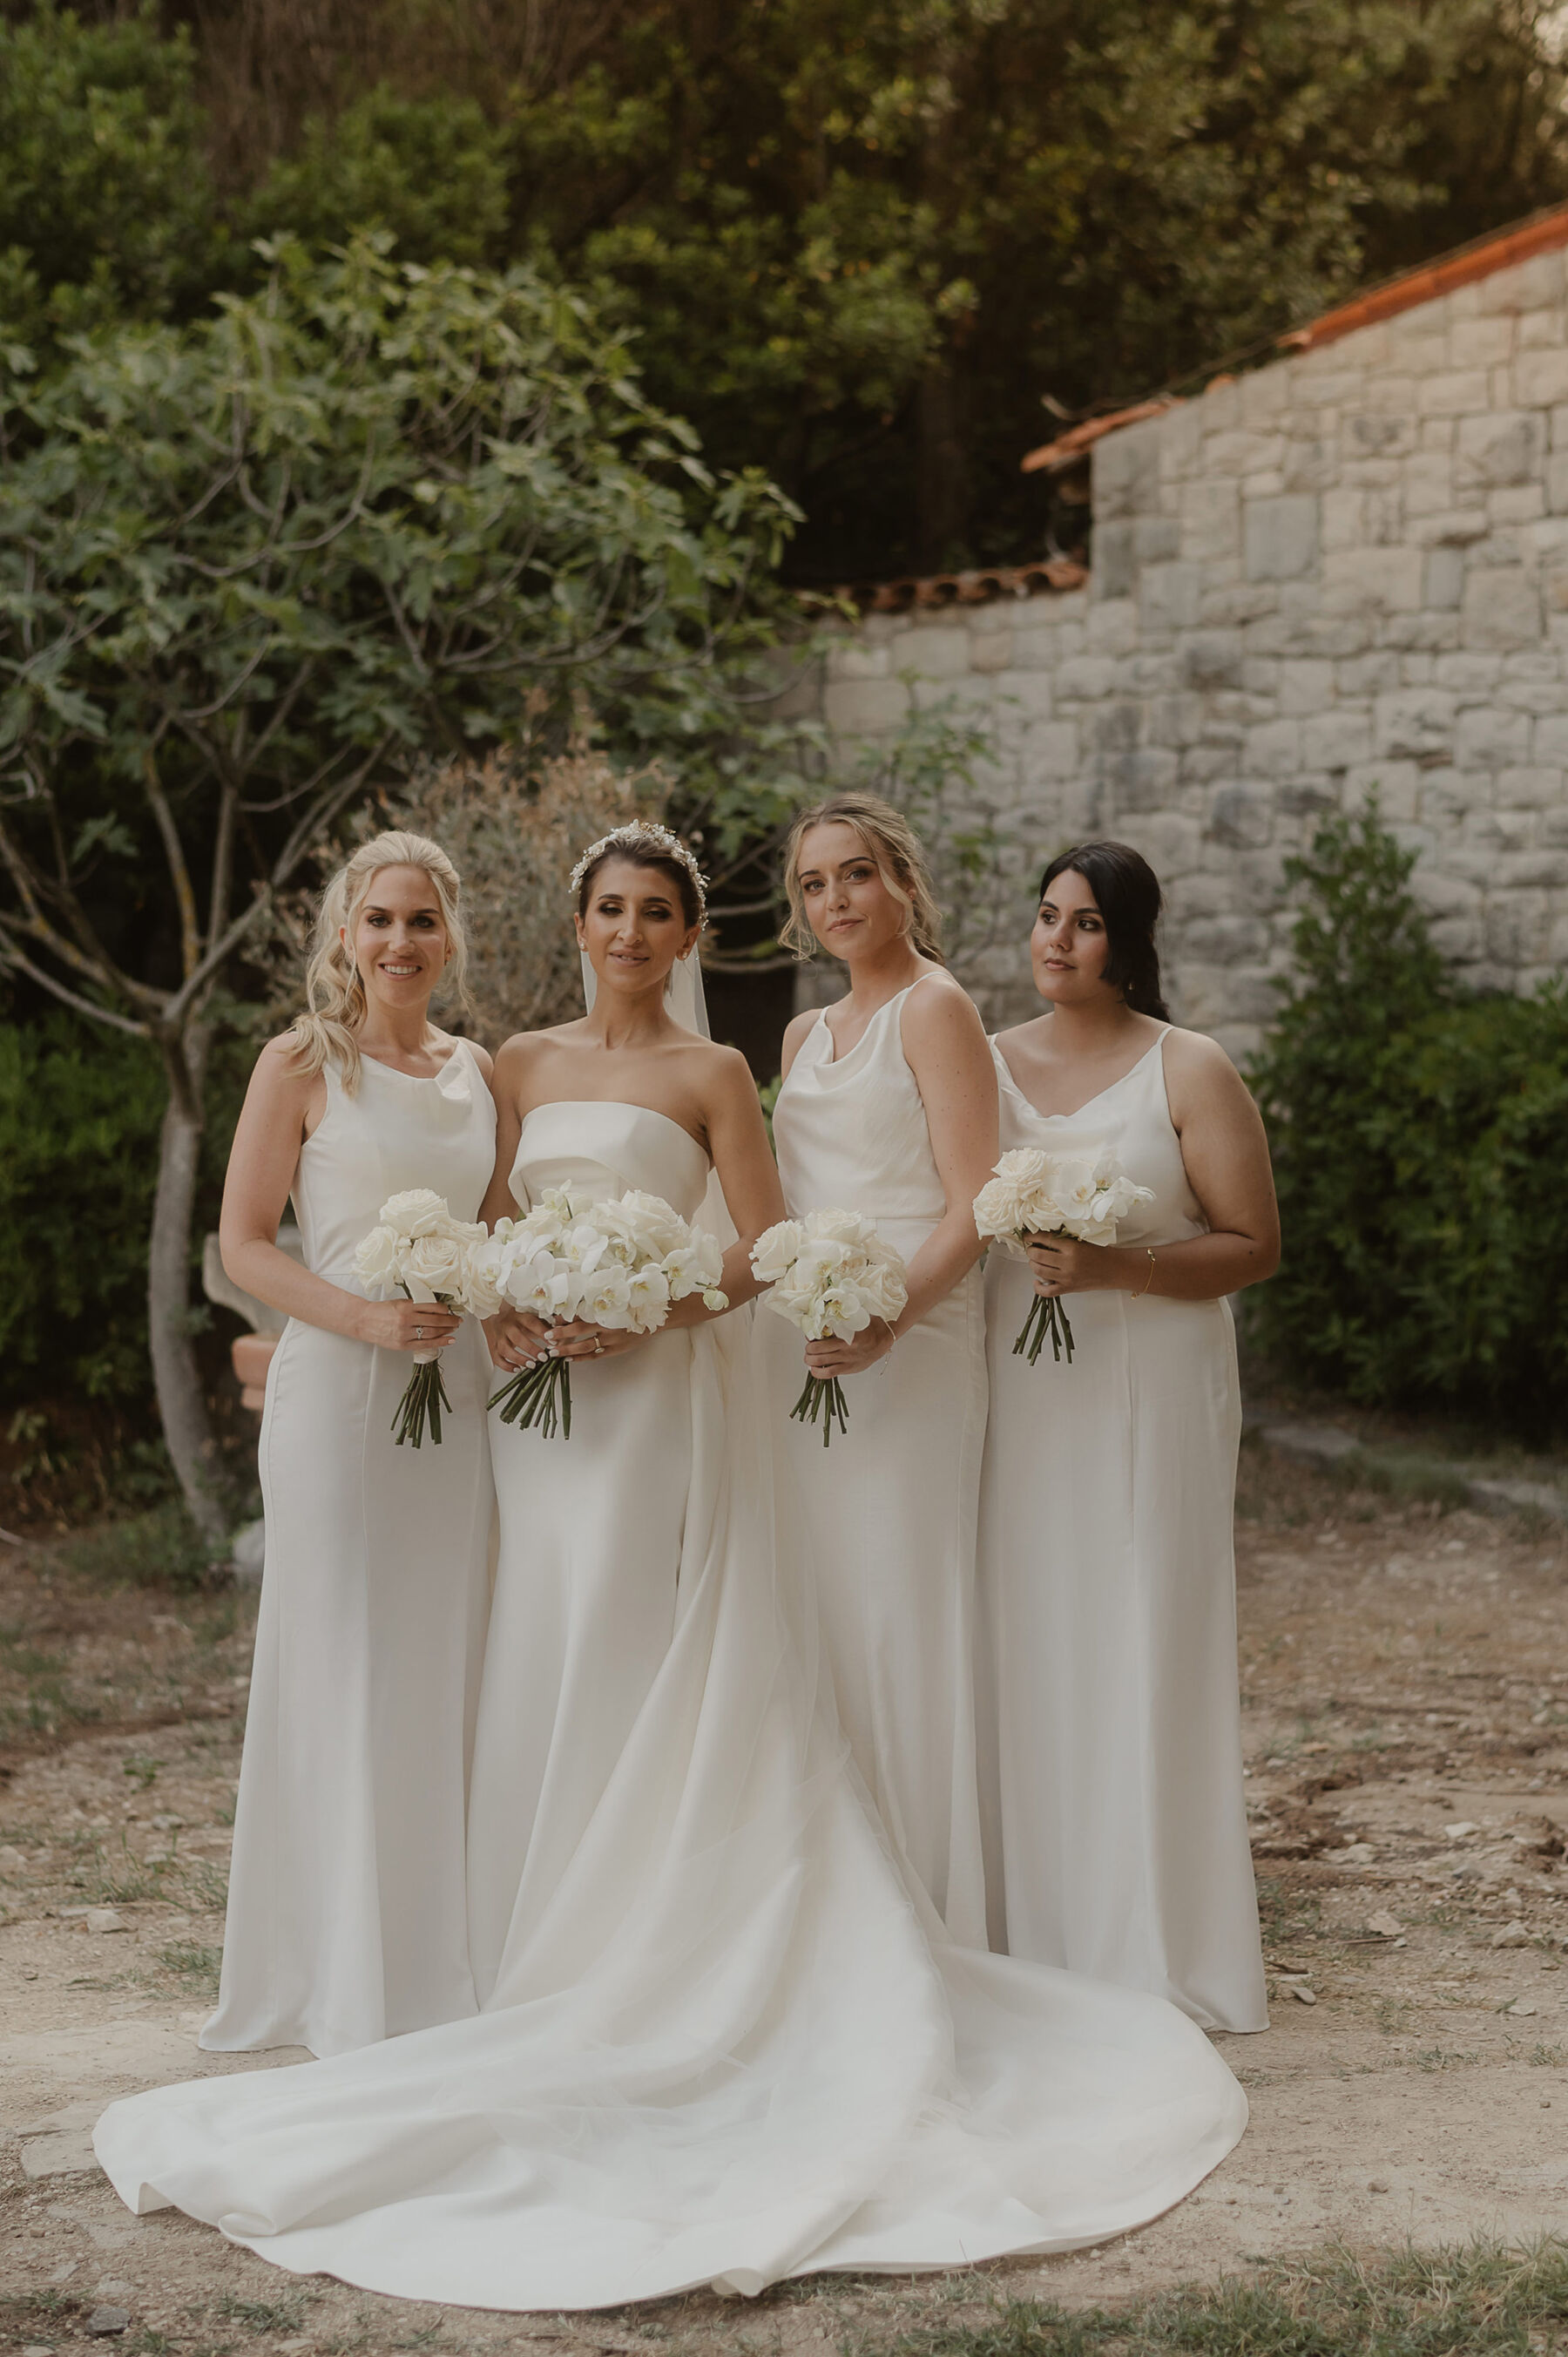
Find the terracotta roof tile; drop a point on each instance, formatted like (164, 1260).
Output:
(975, 588)
(1072, 445)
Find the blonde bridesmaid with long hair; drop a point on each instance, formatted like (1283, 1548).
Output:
(888, 1106)
(347, 1917)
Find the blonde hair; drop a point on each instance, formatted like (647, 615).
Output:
(334, 995)
(900, 862)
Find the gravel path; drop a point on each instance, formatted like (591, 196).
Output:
(1406, 1705)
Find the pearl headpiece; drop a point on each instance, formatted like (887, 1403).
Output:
(645, 834)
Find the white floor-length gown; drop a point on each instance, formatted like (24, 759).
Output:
(725, 2042)
(890, 1508)
(1116, 1826)
(346, 1913)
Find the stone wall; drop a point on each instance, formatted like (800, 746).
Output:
(1347, 571)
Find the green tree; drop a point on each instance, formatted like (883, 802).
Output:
(246, 566)
(432, 171)
(106, 204)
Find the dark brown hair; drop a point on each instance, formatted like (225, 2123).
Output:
(1127, 893)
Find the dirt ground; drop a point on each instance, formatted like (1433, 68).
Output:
(1405, 1684)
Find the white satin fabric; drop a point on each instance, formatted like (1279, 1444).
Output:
(1115, 1822)
(724, 2042)
(889, 1509)
(346, 1919)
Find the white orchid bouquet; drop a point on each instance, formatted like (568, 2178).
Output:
(418, 1248)
(1031, 1193)
(829, 1273)
(618, 1262)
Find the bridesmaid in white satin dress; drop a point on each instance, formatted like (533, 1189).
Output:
(888, 1106)
(347, 1914)
(722, 2040)
(1111, 1727)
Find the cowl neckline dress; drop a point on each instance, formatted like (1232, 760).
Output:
(1116, 1827)
(890, 1510)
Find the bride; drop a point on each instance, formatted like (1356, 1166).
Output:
(726, 2040)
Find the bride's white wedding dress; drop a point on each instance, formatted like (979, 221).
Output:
(726, 2042)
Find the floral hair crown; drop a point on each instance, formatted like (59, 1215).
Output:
(644, 835)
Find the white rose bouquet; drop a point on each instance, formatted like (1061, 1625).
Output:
(620, 1264)
(829, 1274)
(420, 1250)
(1031, 1193)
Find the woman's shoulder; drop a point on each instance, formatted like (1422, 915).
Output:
(283, 1062)
(937, 1006)
(1194, 1054)
(455, 1043)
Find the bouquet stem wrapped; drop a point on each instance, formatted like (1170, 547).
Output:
(421, 1251)
(829, 1274)
(1031, 1193)
(620, 1263)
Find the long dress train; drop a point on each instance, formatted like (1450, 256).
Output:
(346, 1912)
(1116, 1826)
(726, 2042)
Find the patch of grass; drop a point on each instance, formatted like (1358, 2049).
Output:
(1549, 2058)
(264, 2315)
(198, 1967)
(162, 1548)
(1487, 2299)
(1441, 2058)
(1285, 1913)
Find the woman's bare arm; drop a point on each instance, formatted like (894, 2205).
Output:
(738, 1140)
(1225, 1154)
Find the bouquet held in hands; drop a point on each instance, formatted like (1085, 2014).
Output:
(420, 1250)
(621, 1263)
(1031, 1193)
(829, 1274)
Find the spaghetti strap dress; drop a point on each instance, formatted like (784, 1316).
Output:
(1116, 1828)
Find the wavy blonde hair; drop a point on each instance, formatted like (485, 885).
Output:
(327, 1032)
(900, 862)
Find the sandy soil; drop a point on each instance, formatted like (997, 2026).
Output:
(1406, 1698)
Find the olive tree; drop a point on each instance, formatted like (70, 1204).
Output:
(247, 566)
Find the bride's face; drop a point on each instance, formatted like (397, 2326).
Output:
(400, 939)
(848, 906)
(1069, 945)
(634, 927)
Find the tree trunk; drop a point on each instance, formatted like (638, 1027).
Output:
(188, 1429)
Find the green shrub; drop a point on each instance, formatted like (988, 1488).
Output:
(80, 1113)
(1419, 1135)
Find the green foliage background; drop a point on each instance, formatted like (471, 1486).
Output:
(1419, 1135)
(78, 1151)
(860, 242)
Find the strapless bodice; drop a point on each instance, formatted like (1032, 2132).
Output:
(602, 1146)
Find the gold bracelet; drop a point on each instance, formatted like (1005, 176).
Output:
(1150, 1278)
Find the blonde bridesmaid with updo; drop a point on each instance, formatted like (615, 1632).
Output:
(347, 1915)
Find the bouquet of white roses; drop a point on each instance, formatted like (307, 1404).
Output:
(420, 1250)
(619, 1262)
(1031, 1193)
(829, 1274)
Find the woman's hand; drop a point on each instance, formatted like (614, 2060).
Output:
(831, 1357)
(516, 1339)
(575, 1339)
(407, 1325)
(1061, 1265)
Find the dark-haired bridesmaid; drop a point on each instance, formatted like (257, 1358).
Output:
(1111, 1733)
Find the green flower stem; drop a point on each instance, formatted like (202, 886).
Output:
(540, 1394)
(821, 1401)
(421, 1405)
(1047, 1316)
